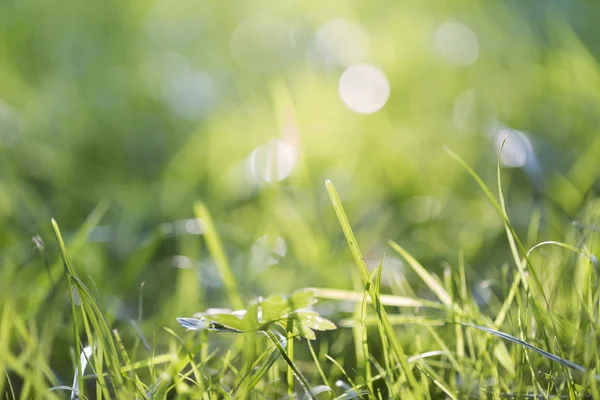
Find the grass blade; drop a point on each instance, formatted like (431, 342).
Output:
(563, 245)
(213, 241)
(544, 353)
(291, 364)
(384, 299)
(429, 280)
(102, 342)
(364, 273)
(71, 274)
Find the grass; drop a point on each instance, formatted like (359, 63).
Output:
(534, 337)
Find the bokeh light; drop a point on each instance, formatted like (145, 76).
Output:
(456, 43)
(342, 42)
(516, 147)
(364, 88)
(118, 118)
(272, 161)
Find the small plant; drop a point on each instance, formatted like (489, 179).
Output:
(292, 314)
(535, 338)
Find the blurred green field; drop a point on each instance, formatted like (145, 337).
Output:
(131, 123)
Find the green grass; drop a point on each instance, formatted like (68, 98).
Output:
(536, 336)
(141, 130)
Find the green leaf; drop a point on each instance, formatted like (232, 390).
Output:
(236, 320)
(273, 307)
(284, 311)
(303, 323)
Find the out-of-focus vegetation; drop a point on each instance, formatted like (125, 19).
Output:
(118, 117)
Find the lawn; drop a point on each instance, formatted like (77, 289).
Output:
(299, 200)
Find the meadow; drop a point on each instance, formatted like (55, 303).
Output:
(298, 200)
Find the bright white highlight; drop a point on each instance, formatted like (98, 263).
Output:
(182, 262)
(342, 42)
(83, 361)
(364, 88)
(273, 161)
(456, 43)
(516, 150)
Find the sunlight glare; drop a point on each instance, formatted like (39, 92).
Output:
(342, 42)
(364, 88)
(516, 150)
(456, 43)
(273, 161)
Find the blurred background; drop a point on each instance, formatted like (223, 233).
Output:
(146, 107)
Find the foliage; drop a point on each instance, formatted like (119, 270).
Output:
(185, 166)
(289, 313)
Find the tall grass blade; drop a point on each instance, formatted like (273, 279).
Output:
(103, 342)
(433, 283)
(317, 364)
(515, 244)
(71, 274)
(289, 348)
(563, 245)
(292, 365)
(213, 241)
(364, 273)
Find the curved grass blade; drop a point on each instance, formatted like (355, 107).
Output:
(544, 353)
(513, 241)
(563, 245)
(515, 244)
(317, 390)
